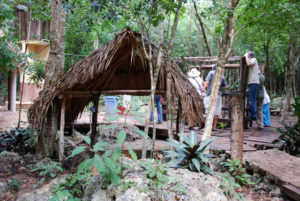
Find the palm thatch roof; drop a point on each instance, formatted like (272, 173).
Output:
(118, 66)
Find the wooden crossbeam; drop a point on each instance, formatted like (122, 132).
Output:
(212, 59)
(80, 94)
(208, 67)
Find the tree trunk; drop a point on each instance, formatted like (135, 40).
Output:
(285, 111)
(94, 119)
(224, 52)
(55, 64)
(202, 28)
(53, 70)
(153, 78)
(236, 132)
(169, 64)
(188, 36)
(267, 65)
(62, 130)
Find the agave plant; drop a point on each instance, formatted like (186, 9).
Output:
(189, 153)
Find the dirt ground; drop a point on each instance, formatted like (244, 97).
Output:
(10, 119)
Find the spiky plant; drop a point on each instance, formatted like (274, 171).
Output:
(189, 153)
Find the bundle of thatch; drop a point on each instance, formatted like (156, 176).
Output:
(119, 65)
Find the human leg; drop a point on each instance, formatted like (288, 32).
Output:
(252, 100)
(158, 108)
(260, 114)
(266, 115)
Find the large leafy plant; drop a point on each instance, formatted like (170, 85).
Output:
(291, 134)
(189, 153)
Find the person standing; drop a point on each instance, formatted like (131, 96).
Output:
(266, 109)
(196, 81)
(253, 84)
(157, 102)
(208, 85)
(260, 99)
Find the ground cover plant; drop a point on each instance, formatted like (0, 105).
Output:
(21, 140)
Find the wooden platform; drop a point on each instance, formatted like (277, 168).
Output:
(253, 139)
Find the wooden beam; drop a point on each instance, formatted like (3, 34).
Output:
(236, 129)
(61, 131)
(212, 59)
(94, 119)
(80, 94)
(209, 67)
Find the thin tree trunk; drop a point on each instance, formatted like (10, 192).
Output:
(188, 36)
(169, 64)
(224, 52)
(285, 111)
(62, 128)
(24, 69)
(202, 28)
(154, 83)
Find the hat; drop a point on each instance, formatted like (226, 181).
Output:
(194, 73)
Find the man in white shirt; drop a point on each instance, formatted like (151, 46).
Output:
(253, 83)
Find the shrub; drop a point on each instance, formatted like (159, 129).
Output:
(189, 153)
(291, 134)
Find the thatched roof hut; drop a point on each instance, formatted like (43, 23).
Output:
(119, 67)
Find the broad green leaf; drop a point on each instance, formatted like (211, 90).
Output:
(121, 137)
(87, 140)
(196, 163)
(185, 139)
(99, 164)
(115, 179)
(77, 150)
(204, 145)
(110, 163)
(84, 165)
(133, 155)
(193, 138)
(99, 146)
(138, 113)
(116, 154)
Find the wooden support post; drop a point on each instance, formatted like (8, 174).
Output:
(61, 131)
(236, 132)
(13, 91)
(94, 119)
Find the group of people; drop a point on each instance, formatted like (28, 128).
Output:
(204, 90)
(258, 99)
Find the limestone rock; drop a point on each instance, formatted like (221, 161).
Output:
(183, 185)
(43, 193)
(3, 187)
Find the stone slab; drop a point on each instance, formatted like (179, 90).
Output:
(277, 165)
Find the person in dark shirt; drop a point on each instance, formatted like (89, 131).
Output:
(208, 85)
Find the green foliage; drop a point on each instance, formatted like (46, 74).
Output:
(14, 184)
(64, 195)
(189, 153)
(106, 164)
(222, 125)
(46, 169)
(291, 134)
(22, 140)
(236, 170)
(156, 172)
(229, 186)
(36, 72)
(73, 186)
